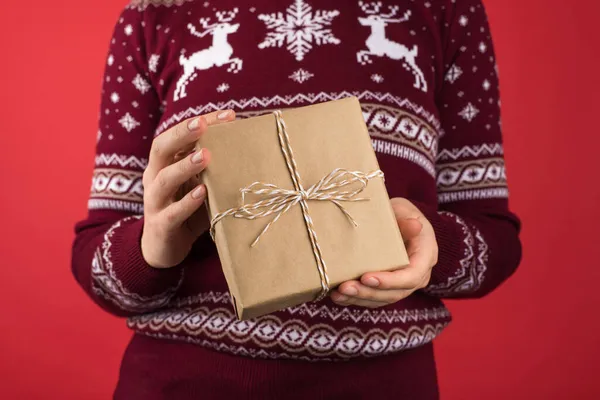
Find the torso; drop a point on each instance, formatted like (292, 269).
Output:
(395, 70)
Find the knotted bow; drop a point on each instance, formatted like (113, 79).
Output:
(338, 186)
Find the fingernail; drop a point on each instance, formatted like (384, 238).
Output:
(341, 297)
(350, 291)
(194, 124)
(223, 115)
(198, 192)
(198, 157)
(372, 282)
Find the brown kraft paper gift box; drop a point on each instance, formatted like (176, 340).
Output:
(282, 269)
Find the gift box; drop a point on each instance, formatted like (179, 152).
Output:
(298, 205)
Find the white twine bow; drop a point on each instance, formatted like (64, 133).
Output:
(340, 185)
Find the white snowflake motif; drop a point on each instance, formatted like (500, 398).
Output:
(301, 75)
(140, 84)
(482, 47)
(98, 136)
(120, 79)
(223, 87)
(153, 62)
(299, 29)
(128, 30)
(377, 78)
(129, 58)
(110, 60)
(469, 112)
(486, 85)
(114, 97)
(128, 122)
(463, 20)
(453, 73)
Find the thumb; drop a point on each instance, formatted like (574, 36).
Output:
(409, 228)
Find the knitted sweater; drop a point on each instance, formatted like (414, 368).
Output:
(425, 74)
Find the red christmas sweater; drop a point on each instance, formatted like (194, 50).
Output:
(425, 74)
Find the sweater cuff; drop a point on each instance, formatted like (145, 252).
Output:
(133, 270)
(121, 275)
(450, 242)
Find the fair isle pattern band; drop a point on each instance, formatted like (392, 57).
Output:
(473, 194)
(399, 126)
(470, 275)
(471, 173)
(272, 337)
(143, 4)
(117, 184)
(106, 284)
(406, 153)
(476, 174)
(414, 337)
(328, 312)
(117, 205)
(470, 152)
(299, 99)
(121, 161)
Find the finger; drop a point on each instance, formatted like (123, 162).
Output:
(219, 117)
(407, 278)
(170, 179)
(181, 137)
(360, 291)
(409, 228)
(404, 209)
(177, 213)
(344, 300)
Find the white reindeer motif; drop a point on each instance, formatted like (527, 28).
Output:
(218, 54)
(379, 45)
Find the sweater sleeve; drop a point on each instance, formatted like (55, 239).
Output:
(106, 256)
(477, 234)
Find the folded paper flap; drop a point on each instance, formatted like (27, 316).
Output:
(323, 138)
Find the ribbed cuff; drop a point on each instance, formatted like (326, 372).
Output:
(450, 241)
(136, 275)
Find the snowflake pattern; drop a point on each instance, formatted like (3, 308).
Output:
(223, 87)
(128, 122)
(128, 30)
(298, 29)
(114, 97)
(482, 47)
(486, 85)
(453, 73)
(301, 75)
(153, 62)
(469, 112)
(377, 78)
(140, 84)
(463, 20)
(110, 60)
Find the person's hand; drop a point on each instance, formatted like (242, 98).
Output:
(377, 289)
(172, 221)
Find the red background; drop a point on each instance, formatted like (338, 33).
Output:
(535, 338)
